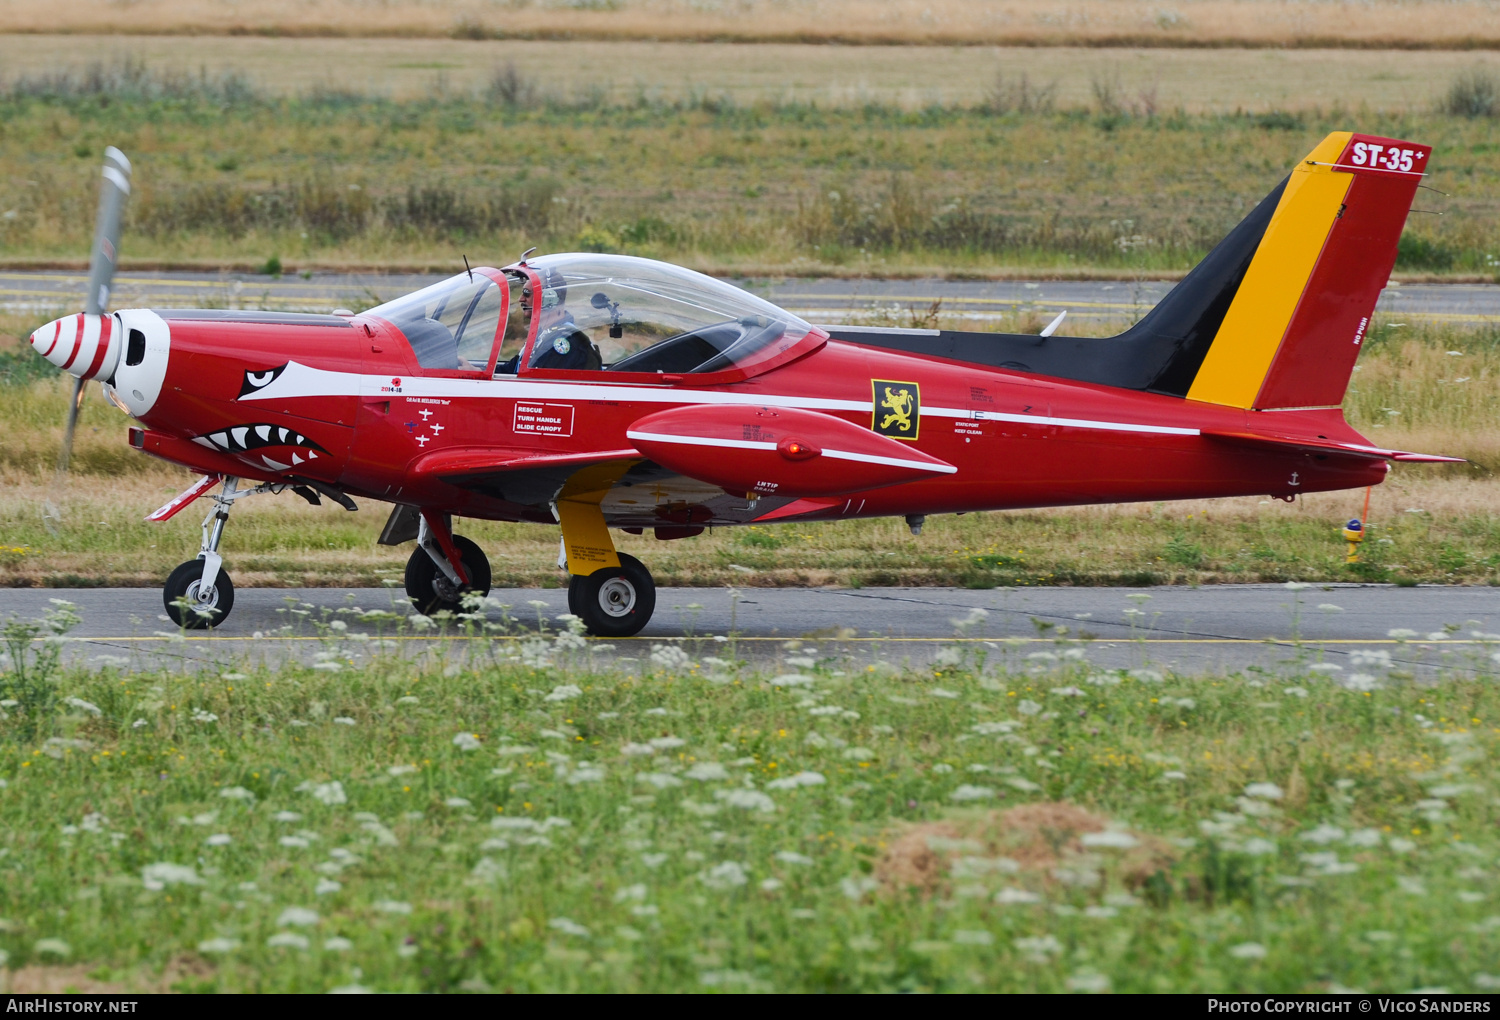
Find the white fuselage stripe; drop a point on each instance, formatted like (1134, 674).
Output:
(302, 381)
(752, 444)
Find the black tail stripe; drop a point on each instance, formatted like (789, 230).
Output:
(1162, 353)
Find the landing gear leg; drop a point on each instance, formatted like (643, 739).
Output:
(202, 583)
(444, 567)
(612, 593)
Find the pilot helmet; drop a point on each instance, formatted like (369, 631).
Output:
(554, 288)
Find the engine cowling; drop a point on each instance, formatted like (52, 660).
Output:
(778, 451)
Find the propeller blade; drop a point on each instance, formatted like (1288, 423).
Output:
(1052, 326)
(113, 190)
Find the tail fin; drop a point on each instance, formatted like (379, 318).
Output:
(1297, 317)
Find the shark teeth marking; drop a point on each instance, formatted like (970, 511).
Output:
(274, 465)
(296, 460)
(255, 436)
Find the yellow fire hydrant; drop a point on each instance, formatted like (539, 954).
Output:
(1354, 533)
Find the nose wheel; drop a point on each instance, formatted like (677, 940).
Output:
(614, 601)
(207, 604)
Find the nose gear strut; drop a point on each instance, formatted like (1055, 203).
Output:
(199, 594)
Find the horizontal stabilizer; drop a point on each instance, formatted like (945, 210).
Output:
(1329, 446)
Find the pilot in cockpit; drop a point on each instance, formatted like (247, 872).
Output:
(559, 341)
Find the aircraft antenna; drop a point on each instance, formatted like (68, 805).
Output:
(468, 270)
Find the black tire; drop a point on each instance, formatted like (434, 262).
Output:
(430, 590)
(614, 601)
(183, 583)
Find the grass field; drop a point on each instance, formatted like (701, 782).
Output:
(227, 175)
(1430, 523)
(911, 77)
(1401, 24)
(548, 817)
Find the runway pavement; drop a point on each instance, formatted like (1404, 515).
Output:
(820, 300)
(1271, 628)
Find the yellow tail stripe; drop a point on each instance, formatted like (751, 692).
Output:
(1252, 331)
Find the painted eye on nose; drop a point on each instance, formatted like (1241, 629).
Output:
(260, 380)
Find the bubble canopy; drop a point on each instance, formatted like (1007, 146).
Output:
(620, 314)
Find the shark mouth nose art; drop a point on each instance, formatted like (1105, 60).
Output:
(258, 438)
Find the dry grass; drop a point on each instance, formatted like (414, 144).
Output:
(1034, 842)
(1278, 23)
(1195, 80)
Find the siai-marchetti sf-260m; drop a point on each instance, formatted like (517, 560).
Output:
(595, 392)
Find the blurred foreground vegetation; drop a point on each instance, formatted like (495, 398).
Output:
(546, 815)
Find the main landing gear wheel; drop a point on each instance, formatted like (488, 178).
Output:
(614, 601)
(211, 606)
(430, 589)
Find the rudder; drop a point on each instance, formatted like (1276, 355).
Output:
(1293, 331)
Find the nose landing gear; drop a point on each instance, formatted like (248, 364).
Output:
(202, 583)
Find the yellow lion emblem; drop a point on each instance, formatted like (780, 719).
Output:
(897, 407)
(899, 404)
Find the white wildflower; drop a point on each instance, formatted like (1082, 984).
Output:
(973, 938)
(1248, 951)
(1323, 834)
(83, 706)
(792, 680)
(967, 792)
(792, 857)
(466, 741)
(726, 875)
(1028, 707)
(457, 802)
(794, 781)
(1024, 785)
(287, 816)
(1012, 895)
(637, 750)
(391, 907)
(337, 944)
(1265, 791)
(297, 917)
(747, 800)
(288, 940)
(1257, 847)
(568, 926)
(218, 839)
(220, 945)
(1038, 947)
(236, 793)
(707, 771)
(563, 692)
(856, 886)
(666, 743)
(164, 873)
(1088, 981)
(1110, 838)
(326, 886)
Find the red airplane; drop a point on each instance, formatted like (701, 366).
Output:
(593, 392)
